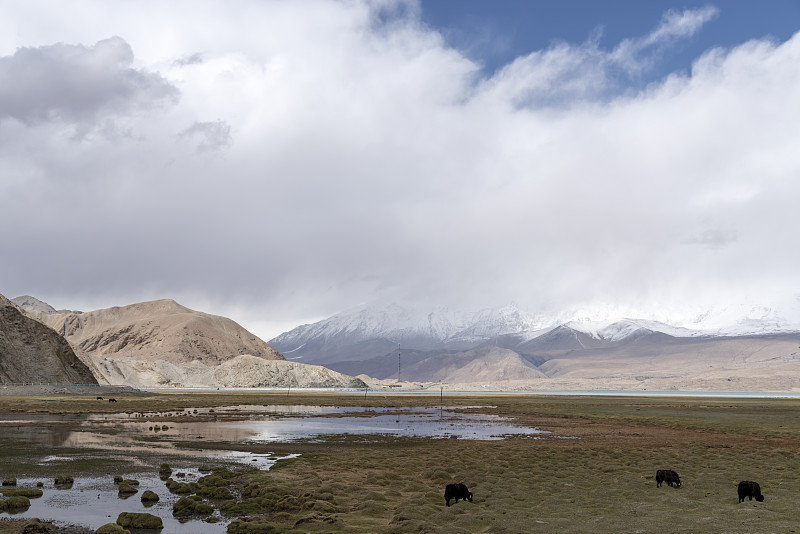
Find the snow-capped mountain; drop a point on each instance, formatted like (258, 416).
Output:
(360, 333)
(378, 330)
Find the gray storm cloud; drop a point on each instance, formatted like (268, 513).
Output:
(320, 159)
(64, 82)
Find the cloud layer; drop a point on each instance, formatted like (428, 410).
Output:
(295, 159)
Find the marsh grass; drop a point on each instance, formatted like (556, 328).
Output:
(593, 474)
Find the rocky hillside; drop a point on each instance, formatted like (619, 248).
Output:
(32, 352)
(160, 329)
(161, 343)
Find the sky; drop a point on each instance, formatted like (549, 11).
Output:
(278, 162)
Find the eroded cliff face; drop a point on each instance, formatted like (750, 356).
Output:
(33, 352)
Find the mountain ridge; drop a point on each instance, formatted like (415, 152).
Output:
(636, 352)
(162, 343)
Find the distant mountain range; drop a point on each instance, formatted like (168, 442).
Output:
(371, 331)
(164, 343)
(506, 344)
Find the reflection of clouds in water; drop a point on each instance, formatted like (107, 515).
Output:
(48, 459)
(418, 422)
(153, 434)
(308, 422)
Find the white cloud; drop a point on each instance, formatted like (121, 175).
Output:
(77, 83)
(363, 158)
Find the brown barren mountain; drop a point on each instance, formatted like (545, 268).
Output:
(33, 352)
(159, 329)
(162, 343)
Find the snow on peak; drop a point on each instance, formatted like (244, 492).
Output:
(397, 322)
(618, 330)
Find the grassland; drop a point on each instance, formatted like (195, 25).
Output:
(594, 473)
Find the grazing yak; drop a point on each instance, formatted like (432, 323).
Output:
(112, 400)
(750, 489)
(668, 476)
(457, 491)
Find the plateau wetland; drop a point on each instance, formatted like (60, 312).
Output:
(256, 462)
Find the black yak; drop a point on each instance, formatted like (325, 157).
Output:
(750, 489)
(457, 491)
(668, 476)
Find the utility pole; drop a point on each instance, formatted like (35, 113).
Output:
(398, 364)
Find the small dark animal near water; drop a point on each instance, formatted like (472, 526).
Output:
(99, 398)
(668, 476)
(457, 491)
(750, 489)
(112, 400)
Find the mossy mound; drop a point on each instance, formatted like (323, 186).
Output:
(130, 482)
(181, 488)
(117, 479)
(217, 494)
(111, 528)
(214, 480)
(63, 479)
(24, 492)
(127, 489)
(149, 497)
(139, 520)
(164, 471)
(18, 502)
(10, 481)
(35, 526)
(247, 507)
(189, 506)
(249, 525)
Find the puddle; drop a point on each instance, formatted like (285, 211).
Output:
(418, 422)
(93, 502)
(151, 432)
(306, 423)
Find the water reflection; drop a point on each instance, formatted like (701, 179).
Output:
(94, 501)
(419, 422)
(256, 424)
